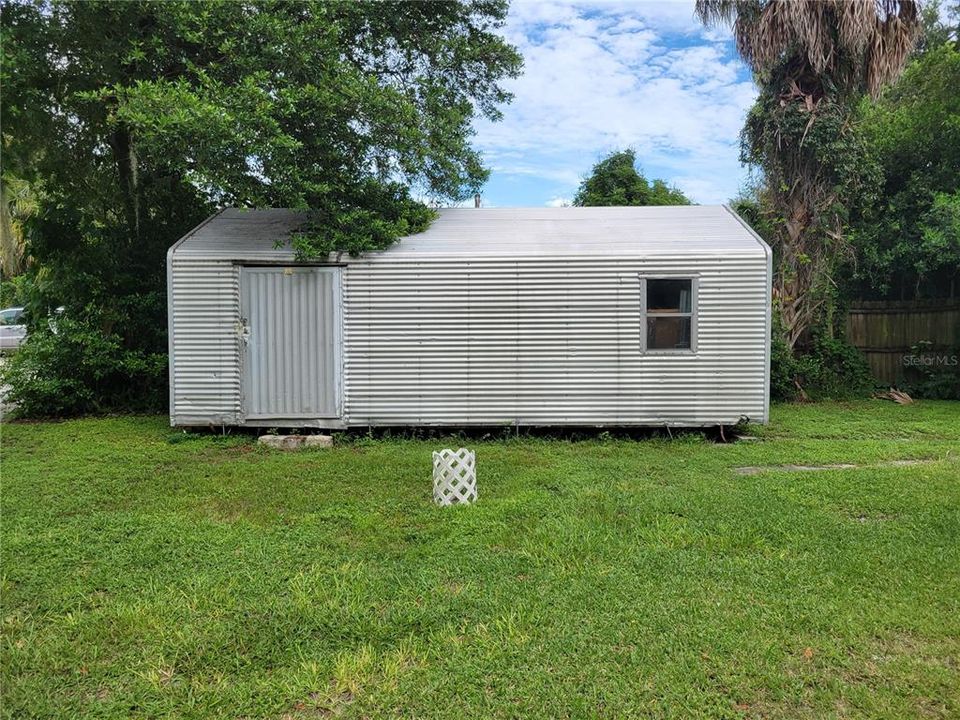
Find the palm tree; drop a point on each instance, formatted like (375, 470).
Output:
(813, 61)
(18, 202)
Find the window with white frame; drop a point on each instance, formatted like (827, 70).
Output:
(668, 317)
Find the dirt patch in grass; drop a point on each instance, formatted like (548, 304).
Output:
(321, 705)
(217, 455)
(872, 517)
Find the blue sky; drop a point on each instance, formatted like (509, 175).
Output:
(601, 76)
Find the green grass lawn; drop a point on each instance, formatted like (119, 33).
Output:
(148, 573)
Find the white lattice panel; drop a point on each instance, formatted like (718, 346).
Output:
(454, 477)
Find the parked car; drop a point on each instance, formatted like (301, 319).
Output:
(13, 328)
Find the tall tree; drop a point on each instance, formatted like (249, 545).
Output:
(907, 236)
(936, 26)
(616, 180)
(813, 60)
(139, 117)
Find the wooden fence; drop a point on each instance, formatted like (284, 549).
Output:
(884, 331)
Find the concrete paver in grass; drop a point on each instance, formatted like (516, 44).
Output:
(757, 469)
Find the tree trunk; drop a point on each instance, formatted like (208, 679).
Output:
(125, 157)
(803, 280)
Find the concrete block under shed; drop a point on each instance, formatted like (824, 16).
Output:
(295, 442)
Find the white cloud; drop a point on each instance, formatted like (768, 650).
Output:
(606, 75)
(559, 202)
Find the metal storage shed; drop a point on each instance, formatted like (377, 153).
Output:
(542, 316)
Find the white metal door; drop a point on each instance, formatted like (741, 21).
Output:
(291, 318)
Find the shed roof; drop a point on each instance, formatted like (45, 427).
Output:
(239, 234)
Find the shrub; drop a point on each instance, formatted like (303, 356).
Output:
(74, 367)
(831, 369)
(14, 291)
(936, 379)
(783, 370)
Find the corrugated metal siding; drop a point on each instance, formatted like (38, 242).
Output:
(547, 341)
(291, 367)
(490, 338)
(205, 360)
